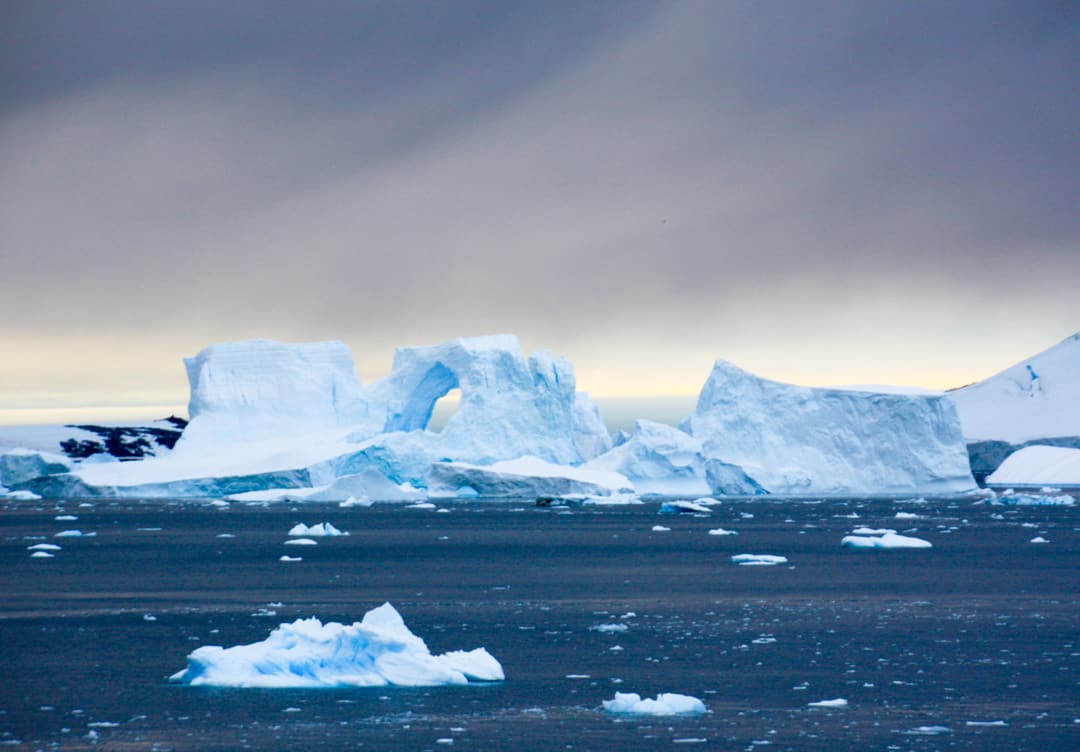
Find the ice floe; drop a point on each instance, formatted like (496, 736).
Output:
(721, 531)
(377, 651)
(883, 539)
(322, 529)
(665, 704)
(765, 560)
(839, 702)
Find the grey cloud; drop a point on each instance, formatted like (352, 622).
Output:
(413, 173)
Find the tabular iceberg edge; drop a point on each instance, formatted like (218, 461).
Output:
(378, 651)
(272, 420)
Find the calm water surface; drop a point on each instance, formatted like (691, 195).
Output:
(925, 645)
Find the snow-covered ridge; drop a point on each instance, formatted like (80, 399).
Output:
(1037, 398)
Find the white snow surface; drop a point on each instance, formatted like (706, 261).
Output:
(376, 651)
(1021, 404)
(524, 476)
(1037, 466)
(801, 440)
(888, 540)
(665, 703)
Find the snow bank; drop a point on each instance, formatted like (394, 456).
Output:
(666, 703)
(799, 440)
(657, 459)
(525, 476)
(377, 651)
(1039, 397)
(1036, 466)
(887, 540)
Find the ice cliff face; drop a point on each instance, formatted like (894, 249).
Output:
(248, 390)
(800, 440)
(1037, 398)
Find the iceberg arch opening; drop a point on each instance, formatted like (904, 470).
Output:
(444, 410)
(416, 411)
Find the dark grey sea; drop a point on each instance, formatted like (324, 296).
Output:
(973, 644)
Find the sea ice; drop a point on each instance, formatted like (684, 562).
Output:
(887, 540)
(1012, 498)
(41, 555)
(660, 529)
(683, 507)
(322, 529)
(301, 542)
(43, 547)
(377, 651)
(1038, 539)
(21, 495)
(839, 702)
(721, 531)
(666, 703)
(767, 560)
(73, 534)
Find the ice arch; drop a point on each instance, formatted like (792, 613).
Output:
(415, 412)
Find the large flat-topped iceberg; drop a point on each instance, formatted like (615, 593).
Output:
(241, 391)
(1036, 398)
(801, 440)
(375, 652)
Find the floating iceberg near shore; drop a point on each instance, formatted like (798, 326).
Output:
(666, 703)
(375, 652)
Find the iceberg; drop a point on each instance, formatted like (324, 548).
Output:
(267, 415)
(23, 465)
(798, 440)
(522, 477)
(657, 459)
(1037, 466)
(323, 529)
(377, 651)
(665, 704)
(883, 539)
(839, 702)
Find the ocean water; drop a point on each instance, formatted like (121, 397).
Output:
(973, 644)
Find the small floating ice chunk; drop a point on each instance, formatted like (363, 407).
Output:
(930, 730)
(65, 518)
(660, 529)
(290, 558)
(721, 531)
(839, 702)
(666, 703)
(43, 547)
(908, 516)
(224, 535)
(420, 505)
(41, 555)
(985, 723)
(1038, 539)
(352, 501)
(873, 531)
(609, 628)
(764, 560)
(323, 529)
(301, 542)
(377, 651)
(889, 540)
(683, 507)
(21, 495)
(74, 534)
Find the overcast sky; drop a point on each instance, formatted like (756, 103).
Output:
(826, 192)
